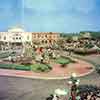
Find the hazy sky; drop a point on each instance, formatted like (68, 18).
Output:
(50, 15)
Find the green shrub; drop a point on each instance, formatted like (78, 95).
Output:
(64, 61)
(26, 68)
(6, 66)
(41, 67)
(49, 67)
(97, 69)
(89, 46)
(85, 51)
(14, 66)
(4, 55)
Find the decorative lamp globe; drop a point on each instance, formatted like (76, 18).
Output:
(70, 82)
(77, 83)
(78, 80)
(74, 75)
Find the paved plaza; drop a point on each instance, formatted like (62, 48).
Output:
(35, 89)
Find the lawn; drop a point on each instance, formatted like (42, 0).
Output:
(15, 66)
(62, 60)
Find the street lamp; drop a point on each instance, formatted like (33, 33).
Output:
(74, 82)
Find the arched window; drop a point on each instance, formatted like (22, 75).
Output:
(19, 38)
(46, 41)
(49, 41)
(42, 41)
(46, 36)
(4, 37)
(28, 37)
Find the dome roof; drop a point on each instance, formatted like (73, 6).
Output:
(16, 29)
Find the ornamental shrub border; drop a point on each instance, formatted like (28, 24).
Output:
(15, 66)
(38, 67)
(97, 67)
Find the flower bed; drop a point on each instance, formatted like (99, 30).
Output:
(64, 61)
(41, 67)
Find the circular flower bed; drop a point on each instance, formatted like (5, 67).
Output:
(64, 61)
(38, 67)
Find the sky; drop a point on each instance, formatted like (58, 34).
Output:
(50, 15)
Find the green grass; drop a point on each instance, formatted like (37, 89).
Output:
(64, 60)
(41, 67)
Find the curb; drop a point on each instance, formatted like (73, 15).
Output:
(46, 78)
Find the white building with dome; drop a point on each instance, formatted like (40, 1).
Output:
(16, 35)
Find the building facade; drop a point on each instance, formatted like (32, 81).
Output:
(45, 37)
(16, 36)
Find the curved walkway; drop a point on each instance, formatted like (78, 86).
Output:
(81, 68)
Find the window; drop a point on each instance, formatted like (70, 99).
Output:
(16, 38)
(34, 36)
(42, 36)
(16, 34)
(50, 36)
(46, 36)
(46, 41)
(4, 37)
(27, 37)
(19, 38)
(38, 35)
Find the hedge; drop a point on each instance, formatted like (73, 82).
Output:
(97, 67)
(85, 51)
(14, 66)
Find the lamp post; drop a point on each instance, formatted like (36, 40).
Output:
(74, 82)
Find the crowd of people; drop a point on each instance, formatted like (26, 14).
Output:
(81, 43)
(85, 93)
(90, 96)
(82, 96)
